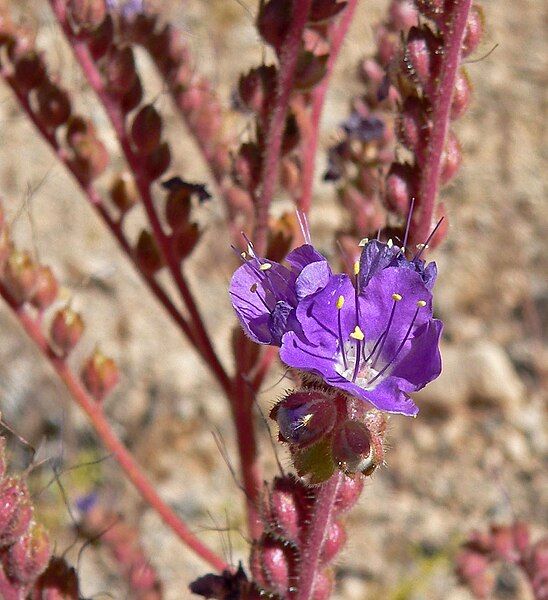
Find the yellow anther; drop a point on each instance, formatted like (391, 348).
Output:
(306, 419)
(397, 297)
(357, 334)
(356, 267)
(422, 246)
(243, 255)
(340, 302)
(265, 267)
(363, 242)
(421, 303)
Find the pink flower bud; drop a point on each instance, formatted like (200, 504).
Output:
(413, 129)
(472, 570)
(120, 71)
(284, 513)
(473, 33)
(158, 161)
(45, 288)
(422, 58)
(29, 555)
(146, 130)
(305, 416)
(451, 158)
(371, 72)
(387, 44)
(352, 447)
(431, 8)
(53, 105)
(400, 187)
(311, 69)
(290, 175)
(323, 585)
(66, 330)
(100, 375)
(15, 510)
(403, 15)
(20, 275)
(123, 192)
(522, 538)
(274, 564)
(147, 253)
(461, 95)
(502, 541)
(334, 541)
(348, 493)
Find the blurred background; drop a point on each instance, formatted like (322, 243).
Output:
(476, 452)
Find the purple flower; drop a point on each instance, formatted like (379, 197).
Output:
(265, 294)
(378, 342)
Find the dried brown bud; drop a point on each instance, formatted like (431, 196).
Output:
(146, 130)
(185, 240)
(123, 192)
(132, 98)
(147, 253)
(273, 22)
(100, 40)
(310, 70)
(45, 288)
(20, 275)
(158, 161)
(178, 207)
(53, 104)
(324, 10)
(120, 71)
(66, 330)
(30, 71)
(87, 14)
(100, 375)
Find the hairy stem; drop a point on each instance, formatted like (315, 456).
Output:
(310, 146)
(143, 183)
(95, 413)
(271, 161)
(317, 528)
(440, 118)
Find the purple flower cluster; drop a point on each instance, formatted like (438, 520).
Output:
(372, 336)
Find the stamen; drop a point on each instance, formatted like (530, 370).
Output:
(265, 266)
(382, 338)
(357, 334)
(408, 225)
(420, 304)
(340, 304)
(390, 243)
(425, 245)
(363, 242)
(356, 267)
(303, 224)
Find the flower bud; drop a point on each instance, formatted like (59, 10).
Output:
(315, 463)
(461, 95)
(387, 43)
(99, 375)
(100, 40)
(6, 249)
(502, 541)
(274, 563)
(158, 161)
(247, 165)
(304, 417)
(132, 98)
(15, 510)
(422, 58)
(123, 192)
(273, 22)
(471, 568)
(91, 157)
(348, 493)
(146, 130)
(473, 33)
(334, 541)
(323, 585)
(400, 187)
(45, 288)
(147, 253)
(522, 538)
(53, 105)
(20, 275)
(451, 158)
(185, 239)
(284, 514)
(257, 87)
(178, 207)
(352, 447)
(403, 15)
(120, 71)
(431, 8)
(29, 71)
(324, 10)
(281, 233)
(66, 330)
(29, 555)
(87, 14)
(58, 582)
(310, 70)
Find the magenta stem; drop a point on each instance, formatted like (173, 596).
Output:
(339, 31)
(95, 413)
(286, 78)
(440, 118)
(317, 528)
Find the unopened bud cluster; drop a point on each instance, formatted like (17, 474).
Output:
(33, 287)
(510, 544)
(49, 104)
(326, 431)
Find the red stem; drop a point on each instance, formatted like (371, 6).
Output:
(440, 118)
(286, 77)
(310, 147)
(143, 183)
(124, 458)
(317, 528)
